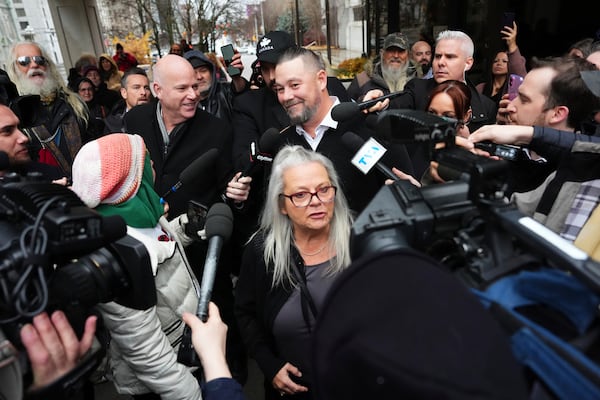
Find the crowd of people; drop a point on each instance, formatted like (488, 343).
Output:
(123, 137)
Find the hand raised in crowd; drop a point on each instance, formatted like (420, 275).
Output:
(509, 35)
(284, 384)
(52, 346)
(380, 105)
(238, 188)
(209, 339)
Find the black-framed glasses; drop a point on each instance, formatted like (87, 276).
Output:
(325, 194)
(26, 60)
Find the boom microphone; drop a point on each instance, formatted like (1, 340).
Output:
(263, 153)
(367, 154)
(346, 110)
(193, 171)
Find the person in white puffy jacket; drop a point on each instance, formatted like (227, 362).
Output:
(113, 175)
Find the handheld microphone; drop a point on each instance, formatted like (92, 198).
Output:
(367, 154)
(347, 110)
(193, 171)
(219, 225)
(263, 153)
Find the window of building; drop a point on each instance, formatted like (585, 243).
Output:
(23, 25)
(20, 12)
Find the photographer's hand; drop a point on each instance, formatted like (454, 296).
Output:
(503, 134)
(403, 176)
(52, 346)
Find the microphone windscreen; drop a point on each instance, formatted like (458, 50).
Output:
(113, 228)
(344, 111)
(193, 171)
(268, 141)
(219, 221)
(4, 161)
(352, 141)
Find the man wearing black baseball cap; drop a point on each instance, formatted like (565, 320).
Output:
(216, 97)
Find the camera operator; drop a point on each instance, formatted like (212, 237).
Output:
(553, 95)
(555, 202)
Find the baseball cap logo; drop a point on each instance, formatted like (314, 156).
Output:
(265, 42)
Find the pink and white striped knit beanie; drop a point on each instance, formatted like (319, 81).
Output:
(109, 170)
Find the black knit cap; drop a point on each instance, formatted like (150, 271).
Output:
(396, 325)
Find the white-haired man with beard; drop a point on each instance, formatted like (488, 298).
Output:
(390, 74)
(60, 126)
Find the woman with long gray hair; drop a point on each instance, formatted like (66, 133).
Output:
(288, 266)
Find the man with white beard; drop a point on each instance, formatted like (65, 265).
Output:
(390, 74)
(61, 117)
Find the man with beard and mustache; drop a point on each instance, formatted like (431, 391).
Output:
(390, 74)
(301, 86)
(61, 117)
(420, 59)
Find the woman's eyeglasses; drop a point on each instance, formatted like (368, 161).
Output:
(26, 60)
(325, 194)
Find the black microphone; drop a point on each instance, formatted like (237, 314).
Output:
(219, 224)
(193, 171)
(263, 153)
(369, 157)
(347, 110)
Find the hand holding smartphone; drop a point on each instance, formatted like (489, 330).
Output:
(508, 18)
(228, 54)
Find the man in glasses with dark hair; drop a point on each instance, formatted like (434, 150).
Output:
(61, 117)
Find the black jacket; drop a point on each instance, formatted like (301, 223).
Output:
(197, 135)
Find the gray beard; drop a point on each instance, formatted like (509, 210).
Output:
(26, 85)
(306, 114)
(395, 77)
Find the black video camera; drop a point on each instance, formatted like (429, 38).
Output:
(56, 253)
(466, 224)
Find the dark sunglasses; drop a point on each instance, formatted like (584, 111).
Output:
(26, 60)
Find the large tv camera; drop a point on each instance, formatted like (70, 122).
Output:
(467, 224)
(56, 253)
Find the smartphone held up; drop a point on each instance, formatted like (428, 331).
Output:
(514, 81)
(228, 52)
